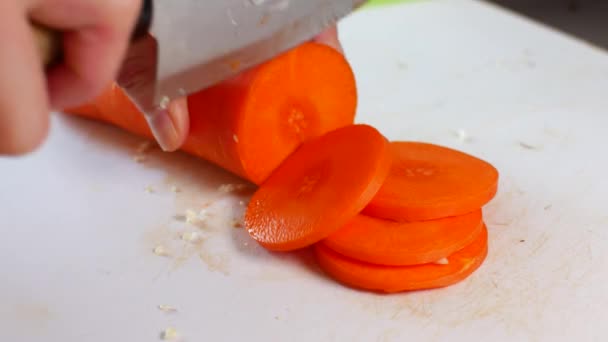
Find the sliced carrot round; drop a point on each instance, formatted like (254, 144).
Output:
(429, 182)
(384, 242)
(381, 278)
(319, 188)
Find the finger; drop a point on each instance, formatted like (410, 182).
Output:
(24, 113)
(171, 126)
(95, 39)
(330, 37)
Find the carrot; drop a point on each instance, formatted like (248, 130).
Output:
(319, 188)
(404, 278)
(385, 242)
(251, 123)
(429, 182)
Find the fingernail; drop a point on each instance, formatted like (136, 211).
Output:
(164, 130)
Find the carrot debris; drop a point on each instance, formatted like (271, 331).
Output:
(319, 188)
(391, 279)
(251, 123)
(429, 181)
(385, 242)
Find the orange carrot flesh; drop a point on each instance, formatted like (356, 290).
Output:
(384, 242)
(319, 188)
(251, 123)
(391, 279)
(429, 182)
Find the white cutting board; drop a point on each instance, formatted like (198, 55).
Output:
(78, 227)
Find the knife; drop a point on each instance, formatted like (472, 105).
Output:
(182, 46)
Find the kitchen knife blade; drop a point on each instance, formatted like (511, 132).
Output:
(193, 44)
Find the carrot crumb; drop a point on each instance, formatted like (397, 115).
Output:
(226, 188)
(160, 250)
(164, 102)
(166, 308)
(234, 65)
(169, 334)
(143, 147)
(191, 236)
(191, 216)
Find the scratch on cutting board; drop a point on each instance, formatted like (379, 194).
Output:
(527, 146)
(517, 306)
(371, 305)
(388, 335)
(538, 244)
(574, 270)
(416, 308)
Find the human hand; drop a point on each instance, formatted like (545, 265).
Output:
(97, 34)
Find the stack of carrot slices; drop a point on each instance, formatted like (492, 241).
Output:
(382, 216)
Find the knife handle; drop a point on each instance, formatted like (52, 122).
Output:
(50, 44)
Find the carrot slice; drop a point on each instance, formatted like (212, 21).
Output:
(251, 123)
(319, 188)
(385, 242)
(429, 182)
(390, 279)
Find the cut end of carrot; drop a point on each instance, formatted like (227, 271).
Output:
(384, 242)
(297, 96)
(319, 188)
(429, 182)
(391, 279)
(251, 123)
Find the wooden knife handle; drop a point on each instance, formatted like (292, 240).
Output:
(50, 45)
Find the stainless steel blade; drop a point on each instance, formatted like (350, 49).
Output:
(196, 43)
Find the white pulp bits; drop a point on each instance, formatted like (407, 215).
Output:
(169, 334)
(462, 135)
(226, 188)
(161, 250)
(191, 236)
(143, 147)
(191, 216)
(166, 308)
(164, 102)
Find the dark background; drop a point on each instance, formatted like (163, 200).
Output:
(586, 19)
